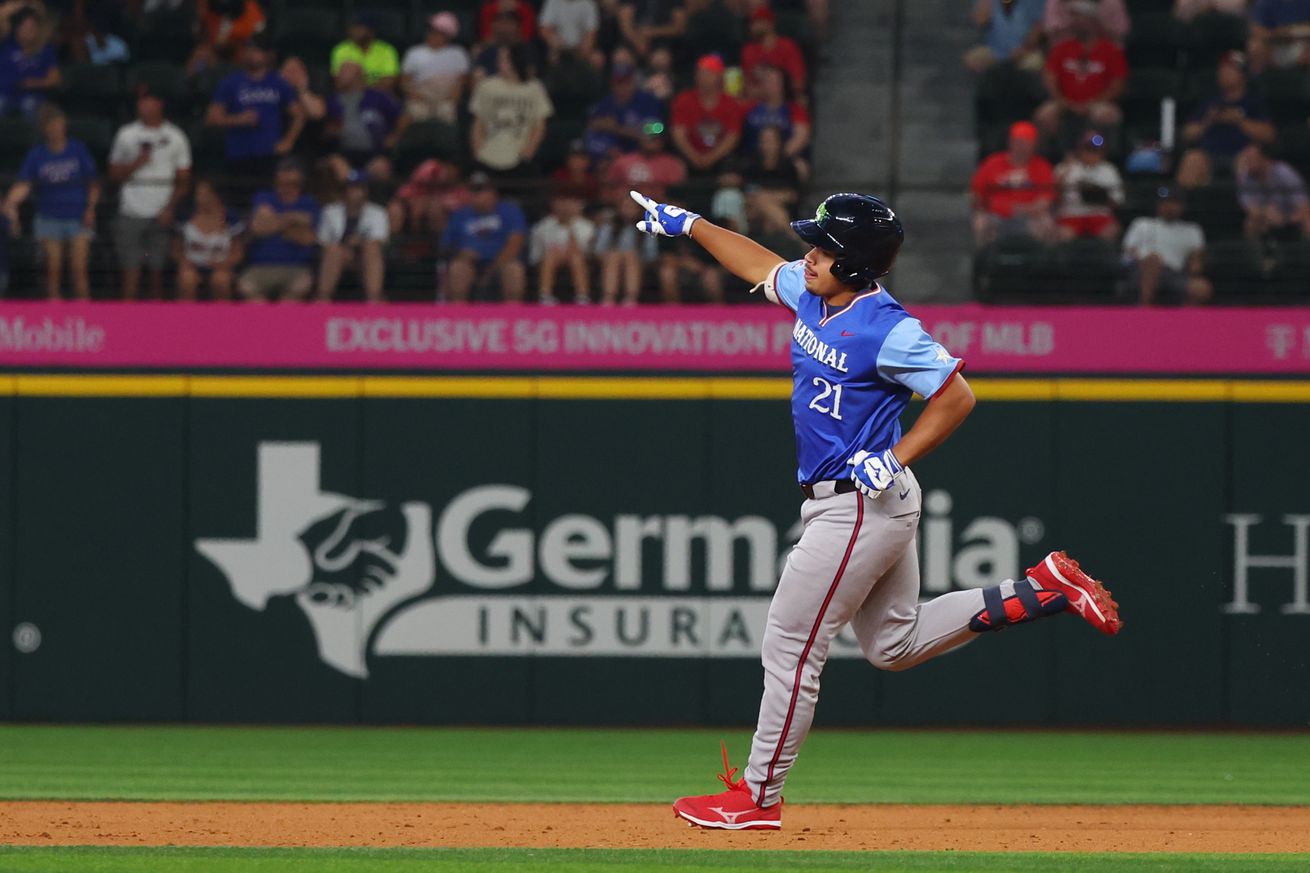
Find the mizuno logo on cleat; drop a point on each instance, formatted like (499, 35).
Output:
(729, 817)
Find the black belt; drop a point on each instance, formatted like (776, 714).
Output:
(839, 486)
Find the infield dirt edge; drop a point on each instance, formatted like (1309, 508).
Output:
(928, 827)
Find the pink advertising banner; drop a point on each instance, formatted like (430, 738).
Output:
(737, 339)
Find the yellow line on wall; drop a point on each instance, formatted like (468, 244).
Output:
(1270, 392)
(84, 385)
(275, 386)
(623, 388)
(1202, 390)
(489, 387)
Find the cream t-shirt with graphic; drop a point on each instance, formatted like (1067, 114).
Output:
(508, 111)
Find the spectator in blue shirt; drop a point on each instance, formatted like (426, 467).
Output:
(1012, 34)
(103, 46)
(63, 175)
(1223, 125)
(28, 69)
(1279, 34)
(283, 228)
(614, 124)
(366, 124)
(252, 104)
(773, 110)
(484, 241)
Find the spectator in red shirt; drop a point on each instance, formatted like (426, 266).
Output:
(706, 121)
(1085, 75)
(767, 47)
(527, 17)
(1013, 191)
(622, 251)
(650, 169)
(575, 178)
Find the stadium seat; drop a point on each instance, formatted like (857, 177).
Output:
(715, 29)
(204, 82)
(693, 194)
(1290, 277)
(393, 26)
(309, 34)
(165, 38)
(164, 79)
(573, 85)
(1005, 95)
(1234, 267)
(1154, 41)
(1209, 36)
(1198, 87)
(91, 89)
(208, 148)
(1287, 94)
(1087, 268)
(17, 135)
(559, 133)
(1215, 208)
(428, 139)
(339, 8)
(1143, 93)
(320, 78)
(427, 7)
(1294, 147)
(96, 131)
(1150, 7)
(1012, 267)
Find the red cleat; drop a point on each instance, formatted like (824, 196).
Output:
(731, 810)
(1087, 597)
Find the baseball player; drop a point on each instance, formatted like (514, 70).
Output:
(857, 356)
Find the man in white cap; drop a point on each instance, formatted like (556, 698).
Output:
(434, 73)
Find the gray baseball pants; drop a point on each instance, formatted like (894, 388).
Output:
(856, 564)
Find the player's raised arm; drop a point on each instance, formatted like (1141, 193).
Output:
(739, 255)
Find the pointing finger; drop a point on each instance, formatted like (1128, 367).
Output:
(643, 201)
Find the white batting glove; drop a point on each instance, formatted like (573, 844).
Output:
(874, 473)
(662, 219)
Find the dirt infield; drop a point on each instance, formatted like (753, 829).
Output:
(975, 828)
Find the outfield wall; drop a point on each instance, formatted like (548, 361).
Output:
(586, 550)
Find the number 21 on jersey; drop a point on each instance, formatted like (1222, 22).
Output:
(827, 390)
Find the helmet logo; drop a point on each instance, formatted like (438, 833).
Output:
(821, 215)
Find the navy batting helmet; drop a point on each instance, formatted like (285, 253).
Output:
(860, 230)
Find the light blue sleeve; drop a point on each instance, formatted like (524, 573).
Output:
(786, 284)
(911, 358)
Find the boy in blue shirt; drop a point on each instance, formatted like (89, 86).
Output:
(615, 122)
(62, 173)
(283, 226)
(485, 241)
(251, 105)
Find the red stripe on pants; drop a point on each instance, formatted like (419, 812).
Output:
(809, 644)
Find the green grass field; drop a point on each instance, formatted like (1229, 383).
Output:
(339, 764)
(597, 861)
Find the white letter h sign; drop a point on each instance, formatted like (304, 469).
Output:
(1298, 562)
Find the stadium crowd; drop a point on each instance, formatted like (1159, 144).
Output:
(1153, 150)
(392, 149)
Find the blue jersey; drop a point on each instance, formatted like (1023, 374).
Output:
(60, 179)
(268, 95)
(277, 250)
(854, 370)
